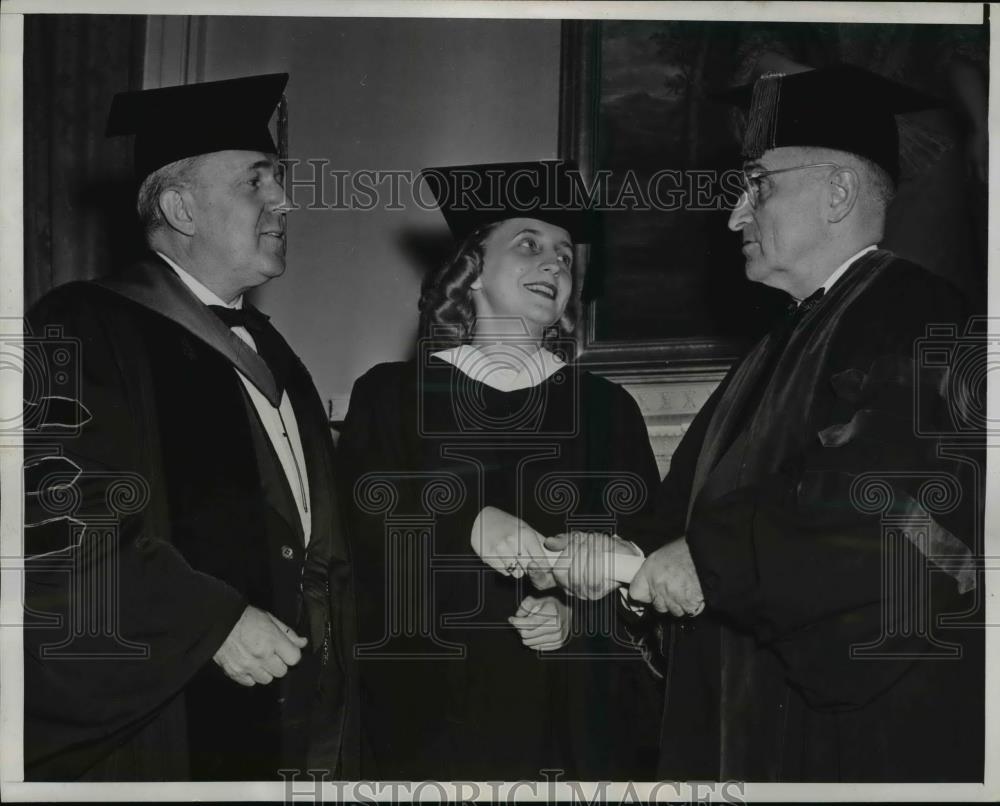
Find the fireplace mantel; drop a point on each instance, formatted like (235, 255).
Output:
(669, 403)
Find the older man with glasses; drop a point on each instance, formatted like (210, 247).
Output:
(822, 597)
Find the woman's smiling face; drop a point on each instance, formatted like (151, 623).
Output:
(527, 274)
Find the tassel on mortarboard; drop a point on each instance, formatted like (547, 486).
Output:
(762, 120)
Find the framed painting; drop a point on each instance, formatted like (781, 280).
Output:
(664, 291)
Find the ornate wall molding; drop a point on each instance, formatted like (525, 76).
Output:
(668, 407)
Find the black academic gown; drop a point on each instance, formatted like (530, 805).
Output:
(788, 492)
(181, 517)
(449, 691)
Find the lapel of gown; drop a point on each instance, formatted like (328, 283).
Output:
(721, 442)
(154, 285)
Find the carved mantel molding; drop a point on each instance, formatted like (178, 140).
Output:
(669, 403)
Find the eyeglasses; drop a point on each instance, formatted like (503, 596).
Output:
(751, 180)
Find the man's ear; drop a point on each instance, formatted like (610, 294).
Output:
(176, 208)
(845, 187)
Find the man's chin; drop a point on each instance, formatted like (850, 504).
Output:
(754, 271)
(269, 271)
(274, 268)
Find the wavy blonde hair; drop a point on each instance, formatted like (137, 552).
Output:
(447, 311)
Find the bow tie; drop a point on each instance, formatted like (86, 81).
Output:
(247, 316)
(802, 308)
(778, 340)
(269, 344)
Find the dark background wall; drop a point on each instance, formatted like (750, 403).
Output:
(77, 186)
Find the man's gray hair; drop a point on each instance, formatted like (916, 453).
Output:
(175, 175)
(877, 181)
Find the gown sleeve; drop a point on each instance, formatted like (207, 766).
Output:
(802, 559)
(629, 454)
(116, 621)
(405, 686)
(665, 521)
(372, 441)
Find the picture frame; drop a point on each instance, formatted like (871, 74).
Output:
(640, 312)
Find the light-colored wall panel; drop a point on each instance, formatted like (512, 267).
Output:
(384, 94)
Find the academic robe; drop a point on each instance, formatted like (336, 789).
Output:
(165, 515)
(449, 691)
(811, 500)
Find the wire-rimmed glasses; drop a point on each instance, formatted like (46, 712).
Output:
(751, 179)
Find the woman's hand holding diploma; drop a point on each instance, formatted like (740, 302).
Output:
(509, 545)
(587, 565)
(591, 565)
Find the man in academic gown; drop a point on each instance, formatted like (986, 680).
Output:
(816, 535)
(188, 600)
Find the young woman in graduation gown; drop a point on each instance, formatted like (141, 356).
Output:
(468, 673)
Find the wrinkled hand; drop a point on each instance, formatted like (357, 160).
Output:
(259, 648)
(669, 581)
(510, 546)
(543, 622)
(584, 570)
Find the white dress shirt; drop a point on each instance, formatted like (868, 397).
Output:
(279, 422)
(839, 271)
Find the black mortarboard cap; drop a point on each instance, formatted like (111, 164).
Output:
(471, 196)
(842, 107)
(172, 123)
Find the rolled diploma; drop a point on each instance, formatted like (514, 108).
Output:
(622, 567)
